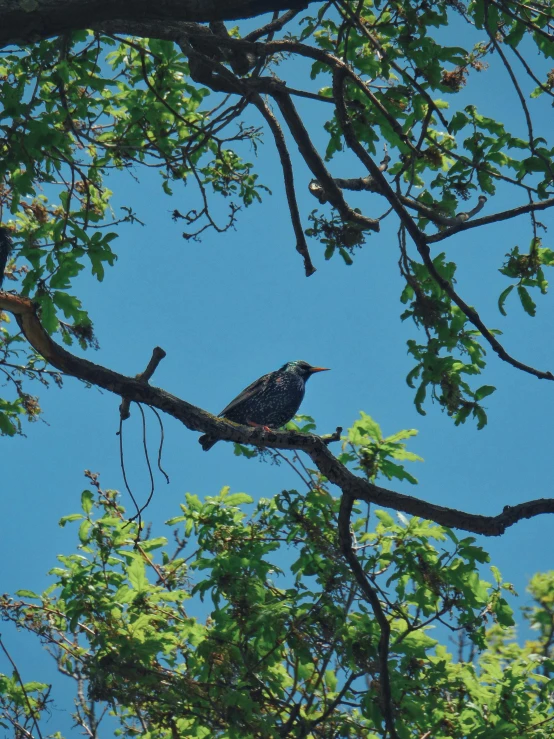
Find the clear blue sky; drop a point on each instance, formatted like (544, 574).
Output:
(238, 305)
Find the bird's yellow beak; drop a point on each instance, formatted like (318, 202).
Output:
(319, 369)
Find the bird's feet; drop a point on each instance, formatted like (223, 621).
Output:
(258, 426)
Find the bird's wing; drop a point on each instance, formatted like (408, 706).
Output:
(248, 392)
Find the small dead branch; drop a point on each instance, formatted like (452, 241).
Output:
(157, 355)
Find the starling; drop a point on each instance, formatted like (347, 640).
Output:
(270, 401)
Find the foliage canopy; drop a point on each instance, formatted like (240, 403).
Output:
(174, 97)
(337, 643)
(290, 646)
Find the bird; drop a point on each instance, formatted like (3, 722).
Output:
(271, 401)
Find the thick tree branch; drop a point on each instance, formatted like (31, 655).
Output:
(29, 22)
(283, 46)
(439, 218)
(315, 163)
(196, 419)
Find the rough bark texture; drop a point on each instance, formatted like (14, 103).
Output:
(31, 20)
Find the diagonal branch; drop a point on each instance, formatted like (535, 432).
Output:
(494, 218)
(32, 714)
(529, 123)
(315, 447)
(426, 211)
(273, 26)
(411, 80)
(418, 237)
(282, 46)
(345, 539)
(315, 163)
(262, 50)
(288, 174)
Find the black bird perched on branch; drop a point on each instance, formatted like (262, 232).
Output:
(5, 250)
(270, 401)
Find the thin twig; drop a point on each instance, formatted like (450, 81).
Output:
(122, 463)
(147, 457)
(494, 218)
(20, 681)
(162, 439)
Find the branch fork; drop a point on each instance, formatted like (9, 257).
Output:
(157, 355)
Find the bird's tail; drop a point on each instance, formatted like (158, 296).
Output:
(207, 442)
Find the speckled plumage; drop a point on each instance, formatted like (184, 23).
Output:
(271, 401)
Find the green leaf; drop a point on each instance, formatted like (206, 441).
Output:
(47, 313)
(87, 499)
(84, 530)
(504, 613)
(137, 575)
(459, 120)
(420, 398)
(516, 34)
(70, 305)
(526, 301)
(346, 256)
(27, 594)
(7, 427)
(404, 434)
(370, 426)
(481, 416)
(151, 544)
(69, 268)
(386, 519)
(391, 470)
(240, 450)
(331, 680)
(483, 391)
(502, 299)
(236, 499)
(72, 517)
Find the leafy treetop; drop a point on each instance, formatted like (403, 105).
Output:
(175, 94)
(292, 644)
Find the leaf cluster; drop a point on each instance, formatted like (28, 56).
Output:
(453, 349)
(253, 625)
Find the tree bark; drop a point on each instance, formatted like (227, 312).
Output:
(28, 21)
